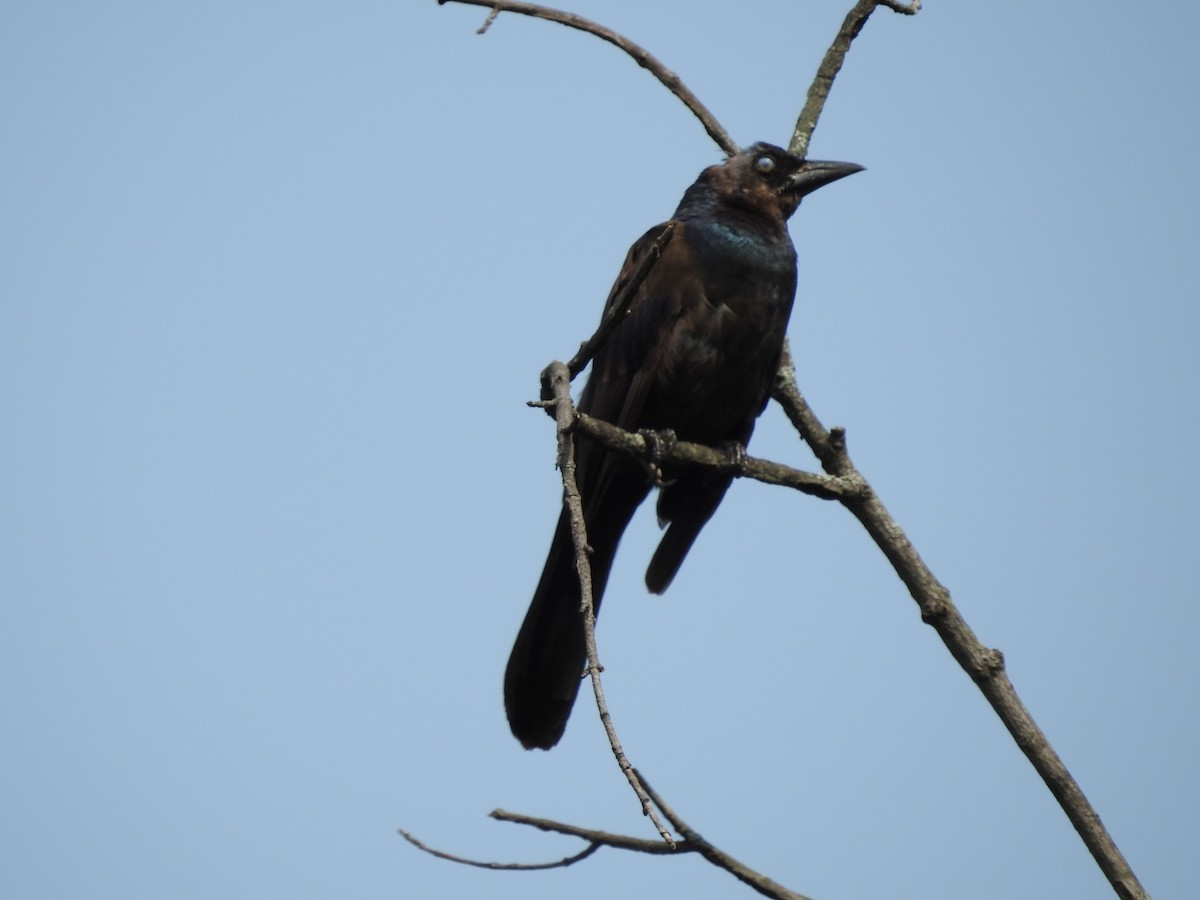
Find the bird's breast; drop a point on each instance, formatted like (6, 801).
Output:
(726, 343)
(757, 248)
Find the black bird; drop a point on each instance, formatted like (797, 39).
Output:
(696, 354)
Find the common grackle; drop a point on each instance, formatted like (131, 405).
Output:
(696, 354)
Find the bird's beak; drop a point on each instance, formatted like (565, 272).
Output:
(817, 173)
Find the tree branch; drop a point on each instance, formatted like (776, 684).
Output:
(663, 446)
(505, 867)
(844, 483)
(596, 839)
(558, 379)
(641, 56)
(719, 858)
(594, 836)
(985, 666)
(818, 91)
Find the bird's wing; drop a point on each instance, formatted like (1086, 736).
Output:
(627, 366)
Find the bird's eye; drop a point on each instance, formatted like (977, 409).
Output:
(765, 164)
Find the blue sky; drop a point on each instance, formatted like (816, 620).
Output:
(277, 283)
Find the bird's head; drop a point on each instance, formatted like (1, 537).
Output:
(766, 179)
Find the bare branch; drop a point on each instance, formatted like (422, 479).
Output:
(509, 867)
(985, 666)
(818, 91)
(843, 482)
(641, 56)
(666, 448)
(487, 23)
(692, 843)
(719, 858)
(558, 379)
(599, 838)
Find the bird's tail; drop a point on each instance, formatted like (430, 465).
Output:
(687, 505)
(547, 662)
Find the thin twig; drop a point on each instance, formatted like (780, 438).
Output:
(641, 56)
(594, 836)
(508, 867)
(487, 23)
(984, 665)
(559, 379)
(719, 858)
(692, 843)
(818, 91)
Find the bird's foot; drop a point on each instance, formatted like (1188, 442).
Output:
(735, 455)
(657, 442)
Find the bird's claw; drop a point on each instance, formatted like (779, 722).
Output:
(735, 455)
(656, 443)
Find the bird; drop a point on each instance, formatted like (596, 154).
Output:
(696, 355)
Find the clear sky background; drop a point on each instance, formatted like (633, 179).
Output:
(277, 281)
